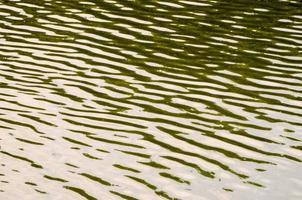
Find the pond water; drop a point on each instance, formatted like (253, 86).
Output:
(133, 99)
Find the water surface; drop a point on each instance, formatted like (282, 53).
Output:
(188, 99)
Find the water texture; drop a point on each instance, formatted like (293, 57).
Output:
(133, 99)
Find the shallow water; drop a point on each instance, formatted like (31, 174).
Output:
(190, 100)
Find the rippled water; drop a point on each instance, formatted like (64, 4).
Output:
(188, 99)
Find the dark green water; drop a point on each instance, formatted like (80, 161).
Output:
(132, 99)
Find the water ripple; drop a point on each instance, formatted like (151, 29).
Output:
(150, 100)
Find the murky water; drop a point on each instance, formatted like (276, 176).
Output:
(188, 99)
